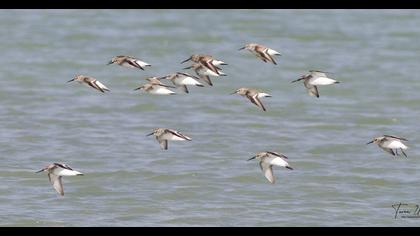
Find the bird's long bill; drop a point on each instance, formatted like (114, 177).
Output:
(40, 170)
(296, 80)
(150, 134)
(110, 62)
(186, 68)
(70, 80)
(252, 158)
(369, 142)
(186, 60)
(233, 93)
(242, 48)
(138, 88)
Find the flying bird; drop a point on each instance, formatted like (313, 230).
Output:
(55, 173)
(164, 135)
(156, 81)
(181, 80)
(253, 95)
(206, 60)
(129, 62)
(389, 142)
(262, 52)
(90, 81)
(204, 73)
(269, 159)
(313, 79)
(157, 89)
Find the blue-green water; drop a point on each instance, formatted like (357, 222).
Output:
(337, 180)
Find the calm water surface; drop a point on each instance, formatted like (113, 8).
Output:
(337, 180)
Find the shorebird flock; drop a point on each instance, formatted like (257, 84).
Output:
(206, 66)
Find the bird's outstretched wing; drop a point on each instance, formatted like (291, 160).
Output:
(268, 172)
(163, 144)
(395, 137)
(57, 183)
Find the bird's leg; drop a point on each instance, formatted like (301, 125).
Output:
(396, 152)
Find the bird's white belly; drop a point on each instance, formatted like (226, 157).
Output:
(394, 144)
(261, 95)
(218, 63)
(277, 161)
(208, 72)
(142, 63)
(272, 52)
(186, 81)
(101, 85)
(171, 137)
(65, 172)
(161, 91)
(321, 81)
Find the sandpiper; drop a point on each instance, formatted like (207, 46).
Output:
(163, 135)
(262, 52)
(206, 60)
(182, 80)
(90, 81)
(204, 73)
(268, 160)
(128, 61)
(314, 78)
(389, 142)
(55, 172)
(153, 88)
(156, 81)
(253, 95)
